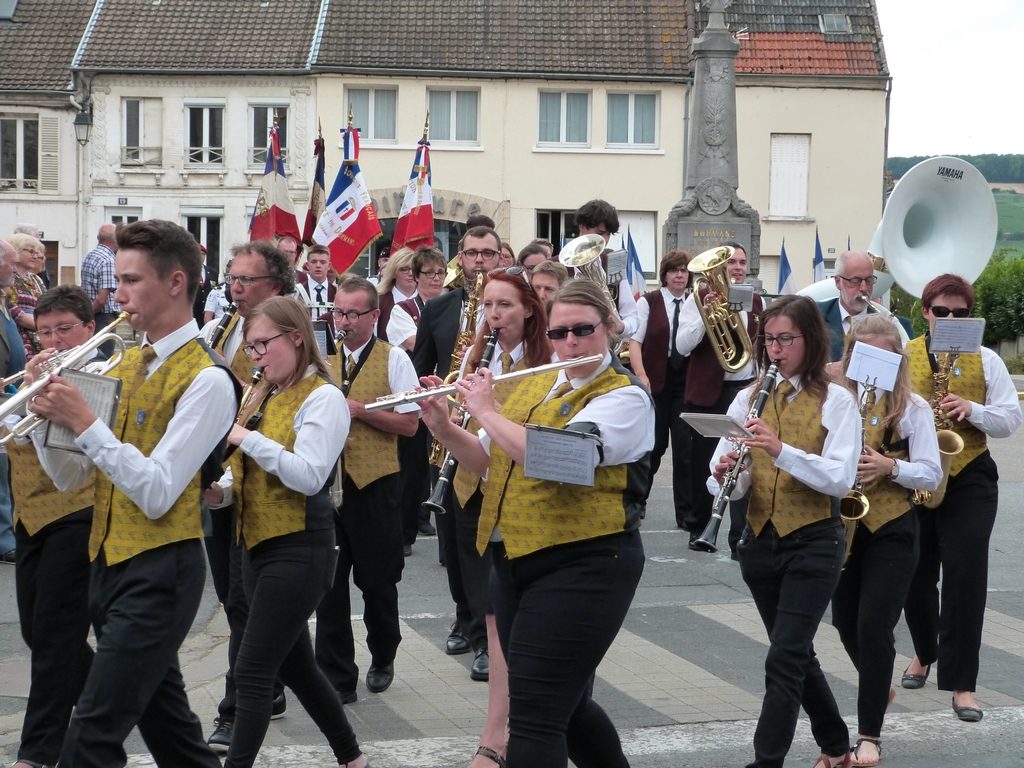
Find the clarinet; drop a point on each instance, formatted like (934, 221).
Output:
(250, 411)
(222, 326)
(708, 539)
(449, 464)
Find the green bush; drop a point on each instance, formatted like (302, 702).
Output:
(1015, 365)
(999, 298)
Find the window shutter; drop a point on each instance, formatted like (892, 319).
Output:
(49, 154)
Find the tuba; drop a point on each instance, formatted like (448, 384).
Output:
(950, 443)
(724, 326)
(583, 254)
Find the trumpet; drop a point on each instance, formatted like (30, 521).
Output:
(73, 359)
(414, 396)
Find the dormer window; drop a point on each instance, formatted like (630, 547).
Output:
(834, 23)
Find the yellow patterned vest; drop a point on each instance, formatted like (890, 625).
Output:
(270, 508)
(969, 384)
(535, 514)
(888, 499)
(37, 503)
(796, 505)
(118, 526)
(370, 454)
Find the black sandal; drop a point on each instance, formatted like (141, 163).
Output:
(491, 755)
(861, 740)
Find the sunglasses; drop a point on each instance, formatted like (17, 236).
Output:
(579, 331)
(940, 311)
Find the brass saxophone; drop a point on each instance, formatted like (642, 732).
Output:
(950, 443)
(463, 341)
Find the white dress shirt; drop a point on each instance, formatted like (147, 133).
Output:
(231, 342)
(401, 373)
(627, 309)
(644, 314)
(401, 326)
(691, 333)
(1000, 414)
(832, 473)
(201, 418)
(922, 470)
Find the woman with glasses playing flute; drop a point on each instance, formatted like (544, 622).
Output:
(567, 558)
(803, 456)
(900, 455)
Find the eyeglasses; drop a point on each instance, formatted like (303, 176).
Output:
(940, 311)
(434, 275)
(404, 269)
(579, 331)
(485, 254)
(351, 315)
(244, 280)
(784, 340)
(60, 330)
(259, 347)
(856, 282)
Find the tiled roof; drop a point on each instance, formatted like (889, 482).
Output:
(36, 48)
(785, 37)
(208, 35)
(576, 38)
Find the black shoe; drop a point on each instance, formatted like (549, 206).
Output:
(407, 550)
(379, 679)
(481, 669)
(426, 529)
(456, 643)
(10, 557)
(913, 682)
(348, 697)
(968, 714)
(279, 707)
(220, 739)
(693, 545)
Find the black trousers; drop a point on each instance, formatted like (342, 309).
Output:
(792, 580)
(473, 569)
(448, 548)
(668, 404)
(285, 577)
(954, 539)
(414, 480)
(224, 554)
(867, 605)
(142, 610)
(558, 611)
(52, 585)
(702, 448)
(369, 534)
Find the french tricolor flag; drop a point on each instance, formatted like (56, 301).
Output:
(349, 222)
(415, 225)
(274, 215)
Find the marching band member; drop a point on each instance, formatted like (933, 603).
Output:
(148, 568)
(286, 526)
(805, 446)
(369, 523)
(901, 454)
(514, 310)
(599, 217)
(52, 572)
(429, 269)
(546, 278)
(397, 283)
(981, 402)
(313, 286)
(567, 558)
(658, 363)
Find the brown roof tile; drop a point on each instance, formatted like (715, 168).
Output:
(575, 38)
(805, 53)
(209, 35)
(37, 47)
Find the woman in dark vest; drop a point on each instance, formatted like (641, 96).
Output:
(567, 557)
(397, 283)
(286, 523)
(803, 457)
(901, 455)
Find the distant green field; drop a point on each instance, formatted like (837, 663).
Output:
(1010, 207)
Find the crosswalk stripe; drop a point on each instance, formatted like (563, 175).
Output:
(1003, 632)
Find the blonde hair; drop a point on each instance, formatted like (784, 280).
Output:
(287, 315)
(879, 326)
(400, 258)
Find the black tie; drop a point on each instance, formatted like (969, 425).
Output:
(319, 299)
(675, 359)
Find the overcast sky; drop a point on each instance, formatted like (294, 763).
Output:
(958, 76)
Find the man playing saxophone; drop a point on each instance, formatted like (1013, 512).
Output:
(981, 401)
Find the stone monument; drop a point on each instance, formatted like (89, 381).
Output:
(711, 212)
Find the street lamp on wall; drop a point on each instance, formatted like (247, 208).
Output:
(83, 125)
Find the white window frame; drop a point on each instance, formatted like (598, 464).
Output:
(835, 24)
(145, 153)
(789, 176)
(18, 181)
(631, 118)
(205, 214)
(256, 155)
(209, 155)
(562, 142)
(368, 132)
(453, 116)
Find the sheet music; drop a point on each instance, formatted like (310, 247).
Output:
(962, 335)
(560, 455)
(324, 339)
(102, 393)
(716, 425)
(871, 365)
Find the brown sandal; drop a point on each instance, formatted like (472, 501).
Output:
(491, 755)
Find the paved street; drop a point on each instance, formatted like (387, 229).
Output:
(683, 681)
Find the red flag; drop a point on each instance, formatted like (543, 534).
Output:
(274, 215)
(316, 197)
(415, 225)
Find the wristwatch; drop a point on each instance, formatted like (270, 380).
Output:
(895, 471)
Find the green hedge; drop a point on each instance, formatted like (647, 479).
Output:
(999, 298)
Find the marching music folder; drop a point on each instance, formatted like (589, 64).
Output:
(102, 393)
(716, 425)
(560, 455)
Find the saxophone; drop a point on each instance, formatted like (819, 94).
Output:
(950, 443)
(463, 341)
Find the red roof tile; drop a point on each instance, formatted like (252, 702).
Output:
(806, 53)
